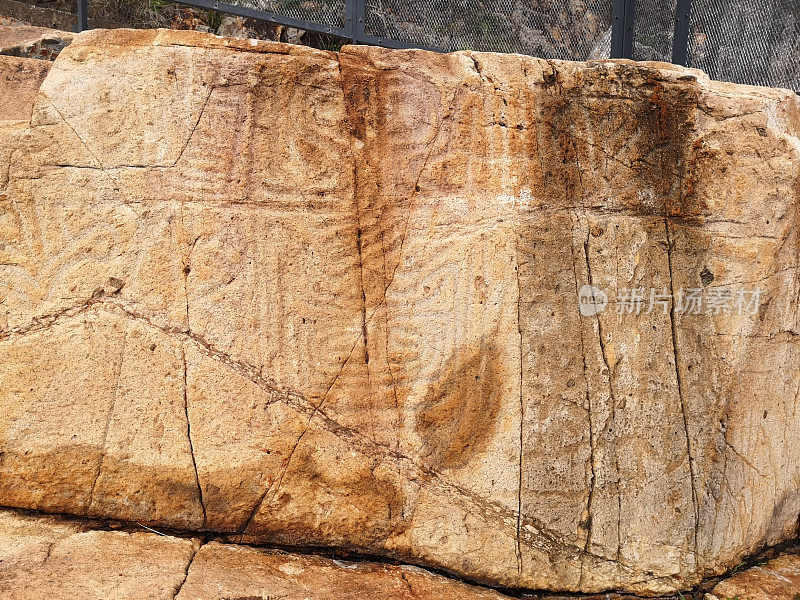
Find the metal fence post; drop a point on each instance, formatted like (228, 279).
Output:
(350, 19)
(356, 13)
(83, 16)
(680, 39)
(622, 29)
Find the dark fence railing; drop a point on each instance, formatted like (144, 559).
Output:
(744, 41)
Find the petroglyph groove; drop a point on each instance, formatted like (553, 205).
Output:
(532, 532)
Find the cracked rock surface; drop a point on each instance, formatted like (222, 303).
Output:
(317, 299)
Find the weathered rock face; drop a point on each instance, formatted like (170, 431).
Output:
(333, 300)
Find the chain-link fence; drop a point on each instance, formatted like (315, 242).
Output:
(654, 29)
(555, 29)
(743, 41)
(323, 12)
(326, 12)
(747, 41)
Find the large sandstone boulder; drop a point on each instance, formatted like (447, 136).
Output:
(332, 300)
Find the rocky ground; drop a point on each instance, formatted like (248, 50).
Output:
(26, 41)
(44, 556)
